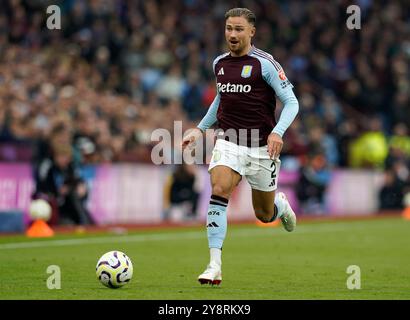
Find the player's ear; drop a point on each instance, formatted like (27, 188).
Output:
(253, 30)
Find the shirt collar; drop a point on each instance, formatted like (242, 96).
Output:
(251, 50)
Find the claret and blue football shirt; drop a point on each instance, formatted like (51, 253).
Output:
(247, 88)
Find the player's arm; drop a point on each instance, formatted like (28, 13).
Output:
(274, 75)
(210, 118)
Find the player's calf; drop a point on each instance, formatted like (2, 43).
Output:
(281, 209)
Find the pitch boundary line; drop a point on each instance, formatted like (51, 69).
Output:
(322, 228)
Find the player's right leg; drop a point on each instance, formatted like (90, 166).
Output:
(269, 206)
(223, 180)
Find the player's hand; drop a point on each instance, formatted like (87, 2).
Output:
(191, 137)
(275, 144)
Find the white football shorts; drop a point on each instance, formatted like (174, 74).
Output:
(254, 163)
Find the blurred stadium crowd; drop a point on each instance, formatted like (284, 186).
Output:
(117, 70)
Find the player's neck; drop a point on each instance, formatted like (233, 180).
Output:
(243, 52)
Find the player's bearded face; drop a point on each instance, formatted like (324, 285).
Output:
(238, 34)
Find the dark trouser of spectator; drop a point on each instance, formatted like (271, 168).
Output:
(311, 198)
(391, 198)
(72, 210)
(311, 195)
(184, 196)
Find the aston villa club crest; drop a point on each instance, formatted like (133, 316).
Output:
(246, 71)
(216, 155)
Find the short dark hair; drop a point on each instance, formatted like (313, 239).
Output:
(241, 12)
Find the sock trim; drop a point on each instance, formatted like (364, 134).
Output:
(275, 214)
(219, 201)
(218, 198)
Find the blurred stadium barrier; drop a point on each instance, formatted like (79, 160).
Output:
(133, 193)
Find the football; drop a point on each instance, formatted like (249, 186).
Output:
(40, 209)
(114, 269)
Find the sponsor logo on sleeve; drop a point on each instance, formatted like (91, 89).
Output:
(285, 84)
(282, 75)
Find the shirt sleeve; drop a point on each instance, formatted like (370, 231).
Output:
(274, 75)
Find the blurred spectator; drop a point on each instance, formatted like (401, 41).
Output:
(311, 188)
(391, 194)
(59, 181)
(324, 143)
(370, 149)
(400, 140)
(347, 132)
(192, 96)
(99, 64)
(181, 189)
(397, 175)
(117, 70)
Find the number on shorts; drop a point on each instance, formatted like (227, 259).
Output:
(273, 174)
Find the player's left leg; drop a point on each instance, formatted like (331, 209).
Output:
(263, 205)
(263, 175)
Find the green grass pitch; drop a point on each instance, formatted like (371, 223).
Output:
(258, 263)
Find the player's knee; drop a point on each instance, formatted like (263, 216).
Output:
(221, 190)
